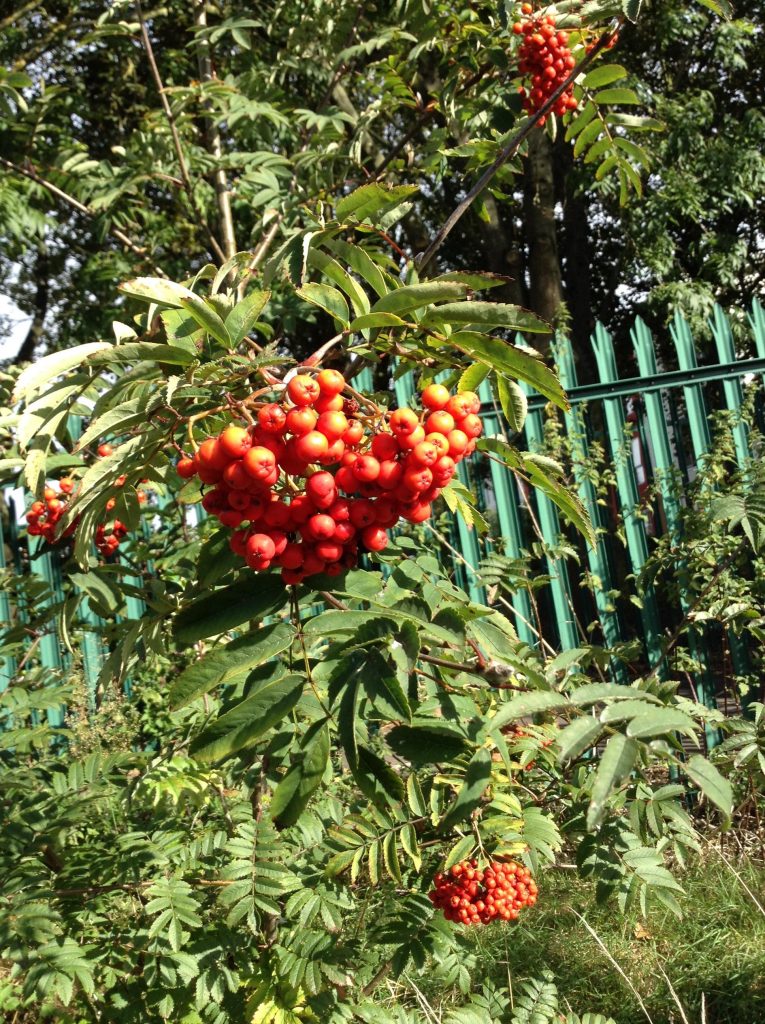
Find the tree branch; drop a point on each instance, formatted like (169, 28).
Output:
(187, 183)
(19, 13)
(75, 204)
(512, 148)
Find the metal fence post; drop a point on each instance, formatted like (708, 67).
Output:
(600, 569)
(667, 477)
(637, 543)
(505, 493)
(701, 439)
(549, 525)
(734, 397)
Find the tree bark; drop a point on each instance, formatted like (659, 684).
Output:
(41, 299)
(546, 289)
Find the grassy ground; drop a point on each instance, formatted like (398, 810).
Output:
(713, 959)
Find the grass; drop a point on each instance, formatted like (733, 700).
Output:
(713, 960)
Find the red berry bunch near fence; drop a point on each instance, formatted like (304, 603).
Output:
(313, 481)
(546, 60)
(43, 516)
(468, 895)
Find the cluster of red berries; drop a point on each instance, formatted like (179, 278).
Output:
(43, 516)
(546, 61)
(469, 895)
(311, 481)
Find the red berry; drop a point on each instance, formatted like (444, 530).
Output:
(435, 396)
(440, 422)
(186, 468)
(354, 433)
(259, 463)
(385, 446)
(403, 421)
(272, 418)
(311, 446)
(321, 489)
(104, 450)
(303, 390)
(331, 382)
(300, 421)
(374, 538)
(321, 526)
(332, 424)
(366, 468)
(329, 403)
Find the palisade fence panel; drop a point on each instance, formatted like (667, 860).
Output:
(655, 428)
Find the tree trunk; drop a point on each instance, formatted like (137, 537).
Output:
(42, 296)
(503, 254)
(576, 253)
(546, 290)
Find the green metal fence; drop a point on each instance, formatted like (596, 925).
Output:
(521, 517)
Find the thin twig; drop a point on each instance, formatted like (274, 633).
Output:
(75, 204)
(605, 949)
(187, 183)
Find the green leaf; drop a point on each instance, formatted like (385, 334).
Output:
(207, 318)
(489, 314)
(658, 722)
(375, 777)
(140, 351)
(604, 75)
(461, 850)
(616, 96)
(526, 704)
(360, 262)
(231, 663)
(42, 371)
(582, 734)
(616, 763)
(563, 497)
(477, 778)
(369, 200)
(581, 121)
(638, 124)
(368, 320)
(252, 597)
(712, 784)
(239, 321)
(513, 401)
(473, 377)
(302, 779)
(157, 290)
(417, 296)
(592, 693)
(631, 9)
(327, 298)
(426, 743)
(271, 701)
(520, 363)
(414, 797)
(587, 136)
